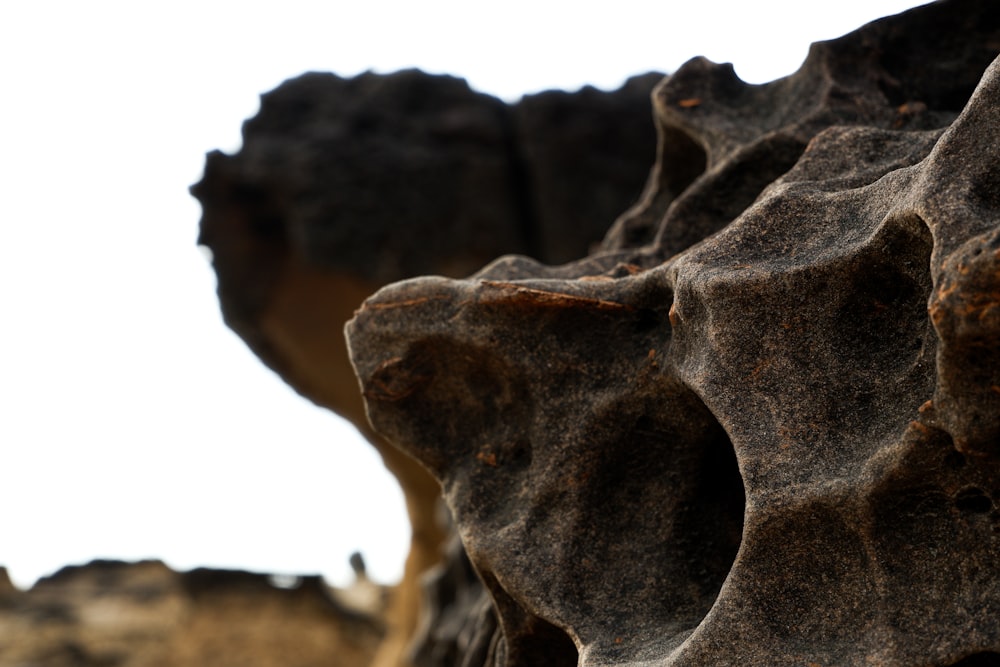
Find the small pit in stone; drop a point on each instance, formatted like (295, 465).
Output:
(684, 512)
(973, 500)
(647, 319)
(984, 659)
(955, 460)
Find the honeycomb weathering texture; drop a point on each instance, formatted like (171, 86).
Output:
(761, 425)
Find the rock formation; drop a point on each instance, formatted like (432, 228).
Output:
(343, 185)
(113, 614)
(761, 424)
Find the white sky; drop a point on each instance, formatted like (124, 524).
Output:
(133, 424)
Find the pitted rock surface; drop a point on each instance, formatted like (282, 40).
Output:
(761, 425)
(343, 185)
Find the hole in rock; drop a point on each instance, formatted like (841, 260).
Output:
(670, 497)
(550, 645)
(954, 460)
(984, 659)
(712, 521)
(973, 501)
(528, 639)
(879, 320)
(519, 455)
(887, 292)
(646, 320)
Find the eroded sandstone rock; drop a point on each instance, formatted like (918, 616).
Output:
(343, 185)
(144, 614)
(761, 426)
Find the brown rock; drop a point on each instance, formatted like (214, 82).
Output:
(7, 587)
(344, 185)
(760, 427)
(110, 613)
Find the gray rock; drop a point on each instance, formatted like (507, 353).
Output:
(761, 426)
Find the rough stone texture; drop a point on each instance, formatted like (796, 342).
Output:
(583, 157)
(457, 624)
(113, 614)
(344, 185)
(761, 426)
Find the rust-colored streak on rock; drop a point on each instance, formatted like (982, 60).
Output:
(406, 303)
(519, 295)
(397, 378)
